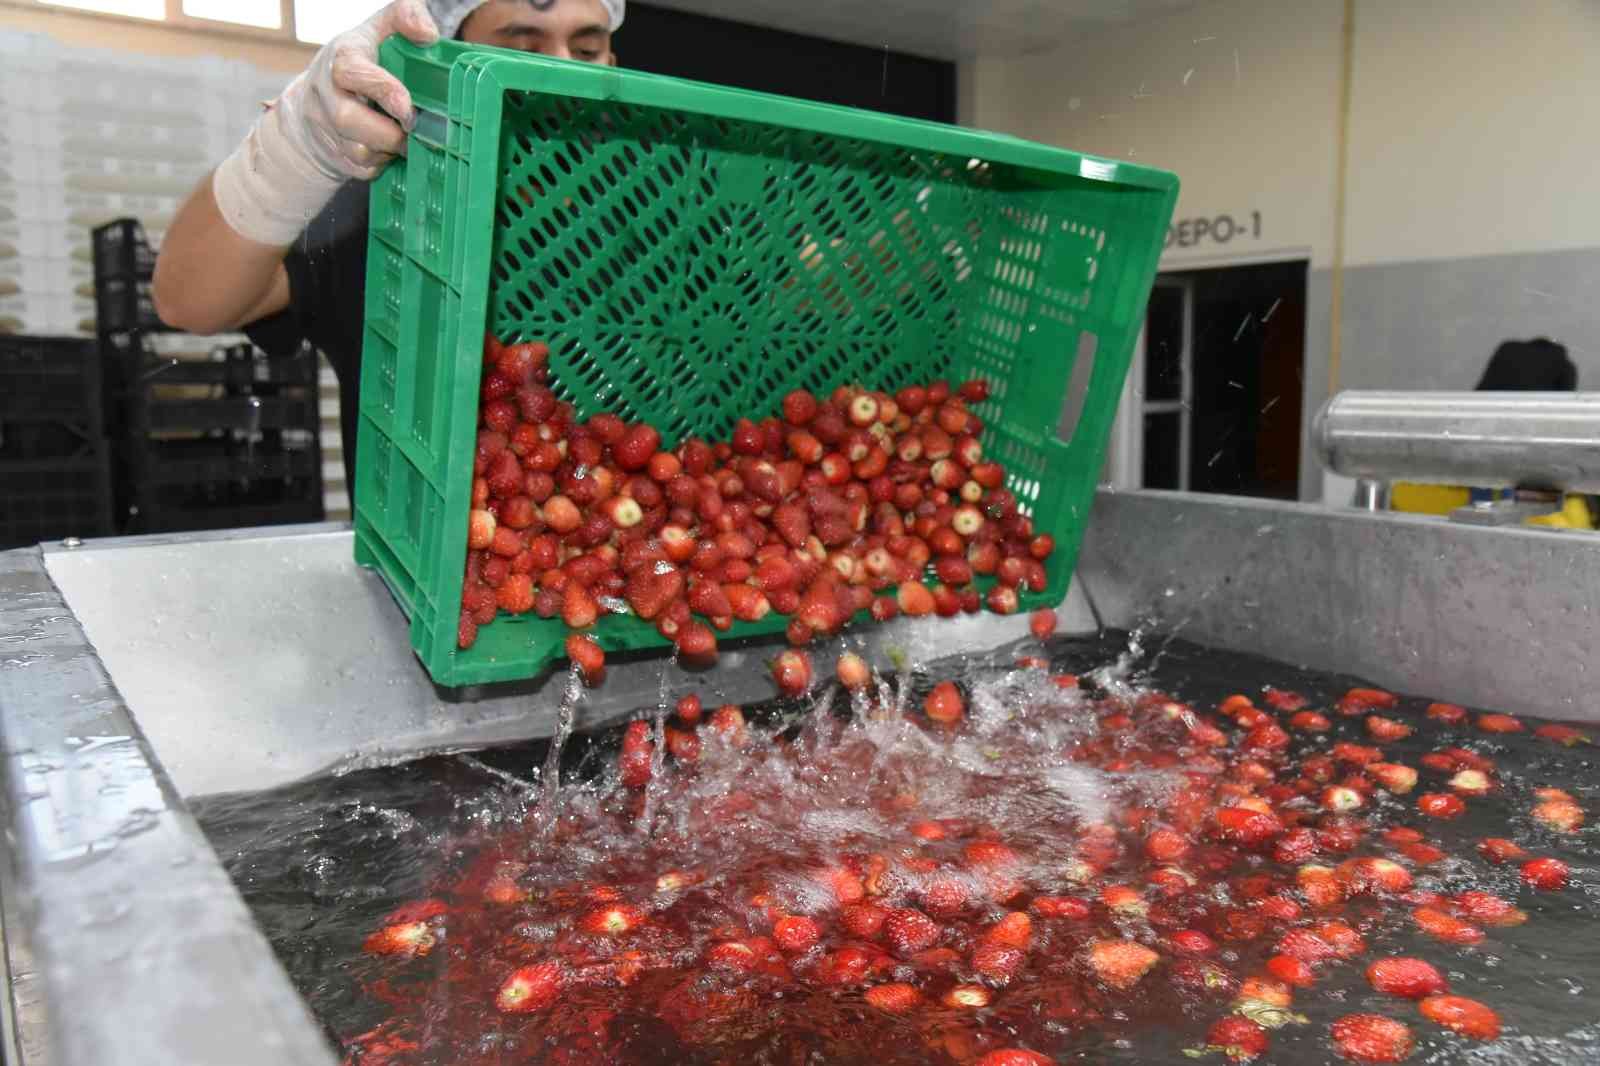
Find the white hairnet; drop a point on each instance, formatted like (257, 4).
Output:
(450, 14)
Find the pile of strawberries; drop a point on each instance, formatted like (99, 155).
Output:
(859, 882)
(845, 504)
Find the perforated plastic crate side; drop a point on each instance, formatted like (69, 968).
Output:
(1023, 325)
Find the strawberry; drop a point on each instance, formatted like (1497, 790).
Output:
(1060, 907)
(1238, 1038)
(1392, 777)
(997, 963)
(1293, 972)
(588, 657)
(894, 998)
(845, 886)
(578, 608)
(1384, 729)
(466, 631)
(1121, 963)
(697, 644)
(1280, 700)
(1371, 1038)
(1341, 798)
(1489, 909)
(613, 920)
(689, 709)
(1408, 978)
(1359, 754)
(634, 759)
(636, 446)
(1192, 942)
(530, 988)
(1372, 875)
(1295, 846)
(863, 920)
(1547, 874)
(707, 598)
(732, 956)
(1166, 845)
(748, 602)
(1248, 828)
(1451, 930)
(795, 934)
(910, 931)
(1461, 1015)
(791, 671)
(1014, 930)
(480, 530)
(1012, 1056)
(728, 722)
(1359, 701)
(847, 966)
(914, 599)
(968, 997)
(515, 594)
(684, 746)
(1500, 850)
(1441, 805)
(944, 704)
(854, 674)
(1471, 782)
(1560, 814)
(413, 938)
(1499, 723)
(1562, 734)
(799, 407)
(1448, 713)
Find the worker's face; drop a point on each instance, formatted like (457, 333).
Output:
(564, 29)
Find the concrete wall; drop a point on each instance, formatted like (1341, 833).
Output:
(1470, 216)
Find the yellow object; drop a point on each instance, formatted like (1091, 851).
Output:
(1427, 499)
(1574, 514)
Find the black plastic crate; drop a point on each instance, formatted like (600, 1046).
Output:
(243, 414)
(52, 499)
(225, 461)
(179, 509)
(121, 250)
(51, 379)
(125, 304)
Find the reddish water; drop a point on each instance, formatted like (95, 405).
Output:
(1043, 791)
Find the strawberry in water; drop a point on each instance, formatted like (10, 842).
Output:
(853, 672)
(944, 704)
(1452, 930)
(1042, 624)
(1405, 977)
(791, 670)
(614, 920)
(1061, 907)
(530, 988)
(1461, 1015)
(863, 920)
(1015, 1057)
(1501, 850)
(795, 934)
(1448, 713)
(997, 963)
(588, 656)
(1372, 1038)
(1547, 874)
(894, 998)
(910, 931)
(1238, 1038)
(1121, 963)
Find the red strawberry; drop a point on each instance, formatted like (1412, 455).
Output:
(1249, 828)
(1499, 849)
(707, 598)
(854, 674)
(914, 599)
(1441, 805)
(1408, 978)
(1060, 907)
(530, 988)
(1373, 875)
(684, 746)
(613, 920)
(1192, 942)
(734, 956)
(1392, 777)
(1310, 722)
(944, 704)
(1292, 971)
(1012, 1056)
(1042, 623)
(1359, 701)
(689, 709)
(910, 931)
(1278, 699)
(1384, 729)
(1560, 814)
(578, 608)
(697, 644)
(637, 445)
(791, 670)
(1448, 713)
(863, 920)
(1237, 1037)
(895, 998)
(847, 966)
(997, 963)
(1438, 924)
(1499, 723)
(1462, 1015)
(748, 602)
(1295, 846)
(1014, 930)
(728, 722)
(480, 530)
(1489, 909)
(515, 594)
(1547, 874)
(845, 885)
(411, 938)
(1562, 734)
(1371, 1038)
(795, 933)
(635, 757)
(1121, 963)
(589, 657)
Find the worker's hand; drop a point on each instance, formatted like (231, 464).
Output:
(323, 131)
(327, 108)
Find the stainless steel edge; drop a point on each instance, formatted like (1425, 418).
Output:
(1499, 618)
(146, 955)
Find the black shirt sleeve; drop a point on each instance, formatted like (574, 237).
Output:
(327, 268)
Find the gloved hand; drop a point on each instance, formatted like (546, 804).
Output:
(321, 132)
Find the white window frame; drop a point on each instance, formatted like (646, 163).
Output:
(176, 18)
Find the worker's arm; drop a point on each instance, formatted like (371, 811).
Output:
(221, 262)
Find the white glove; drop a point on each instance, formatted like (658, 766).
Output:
(321, 132)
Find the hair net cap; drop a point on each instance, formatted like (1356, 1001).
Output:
(450, 14)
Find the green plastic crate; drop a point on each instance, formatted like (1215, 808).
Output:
(691, 253)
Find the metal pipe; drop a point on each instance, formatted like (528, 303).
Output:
(1542, 440)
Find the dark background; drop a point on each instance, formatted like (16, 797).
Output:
(751, 57)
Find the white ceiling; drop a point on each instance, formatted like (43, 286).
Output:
(944, 29)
